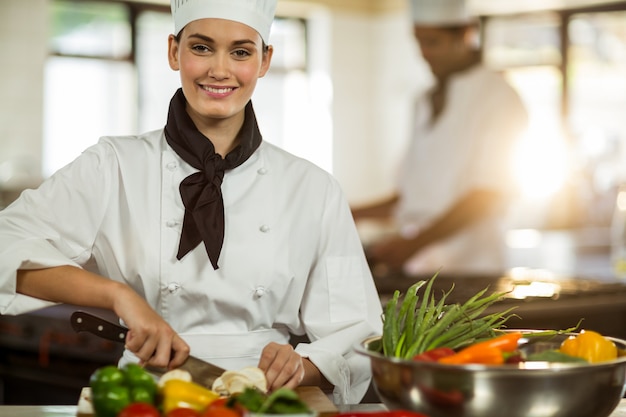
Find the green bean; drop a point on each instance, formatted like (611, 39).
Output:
(425, 298)
(479, 329)
(432, 314)
(432, 331)
(410, 323)
(453, 321)
(390, 330)
(416, 324)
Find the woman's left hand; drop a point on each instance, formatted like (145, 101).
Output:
(282, 365)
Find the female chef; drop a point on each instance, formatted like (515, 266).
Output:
(200, 236)
(455, 183)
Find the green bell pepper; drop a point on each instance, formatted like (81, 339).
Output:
(112, 388)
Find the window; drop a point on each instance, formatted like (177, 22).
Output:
(90, 87)
(569, 68)
(597, 98)
(527, 50)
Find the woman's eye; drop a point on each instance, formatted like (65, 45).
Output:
(241, 53)
(200, 48)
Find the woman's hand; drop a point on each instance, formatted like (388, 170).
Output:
(283, 366)
(149, 337)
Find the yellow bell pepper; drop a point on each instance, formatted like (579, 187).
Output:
(177, 393)
(589, 345)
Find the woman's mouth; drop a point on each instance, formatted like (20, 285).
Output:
(218, 91)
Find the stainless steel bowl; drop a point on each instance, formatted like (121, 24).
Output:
(531, 389)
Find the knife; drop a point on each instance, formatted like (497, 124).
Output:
(202, 372)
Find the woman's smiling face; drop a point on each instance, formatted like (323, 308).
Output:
(220, 62)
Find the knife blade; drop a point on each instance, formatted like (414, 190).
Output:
(202, 372)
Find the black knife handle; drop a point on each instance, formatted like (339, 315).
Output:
(86, 322)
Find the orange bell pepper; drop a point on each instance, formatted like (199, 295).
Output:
(488, 352)
(485, 355)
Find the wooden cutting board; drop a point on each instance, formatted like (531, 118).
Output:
(312, 396)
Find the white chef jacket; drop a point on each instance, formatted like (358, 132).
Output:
(468, 147)
(291, 260)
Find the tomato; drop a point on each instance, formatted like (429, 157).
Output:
(139, 410)
(219, 411)
(220, 402)
(183, 412)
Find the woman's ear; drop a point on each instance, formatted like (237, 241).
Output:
(267, 59)
(172, 52)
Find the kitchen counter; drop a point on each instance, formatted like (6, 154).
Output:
(70, 411)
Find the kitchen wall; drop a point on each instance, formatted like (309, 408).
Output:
(23, 31)
(374, 70)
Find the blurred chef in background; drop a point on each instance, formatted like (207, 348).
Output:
(454, 184)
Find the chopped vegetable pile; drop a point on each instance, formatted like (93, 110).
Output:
(132, 392)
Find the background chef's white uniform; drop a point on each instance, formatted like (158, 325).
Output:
(291, 261)
(468, 147)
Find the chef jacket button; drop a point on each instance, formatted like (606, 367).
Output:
(259, 291)
(173, 287)
(264, 228)
(262, 171)
(171, 166)
(171, 223)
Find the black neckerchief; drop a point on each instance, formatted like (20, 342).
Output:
(201, 191)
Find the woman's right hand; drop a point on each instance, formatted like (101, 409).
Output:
(149, 337)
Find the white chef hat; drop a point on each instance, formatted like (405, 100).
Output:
(440, 12)
(258, 14)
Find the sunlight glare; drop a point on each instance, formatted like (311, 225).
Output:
(540, 163)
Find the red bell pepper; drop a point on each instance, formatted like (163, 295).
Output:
(434, 355)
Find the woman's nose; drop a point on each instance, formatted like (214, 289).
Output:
(219, 67)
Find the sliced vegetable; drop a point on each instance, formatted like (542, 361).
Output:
(281, 401)
(177, 393)
(589, 345)
(234, 382)
(174, 374)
